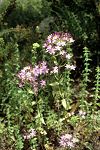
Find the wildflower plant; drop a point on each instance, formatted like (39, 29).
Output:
(96, 97)
(53, 71)
(43, 97)
(85, 79)
(97, 86)
(57, 45)
(54, 45)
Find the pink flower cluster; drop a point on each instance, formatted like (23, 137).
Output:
(31, 74)
(68, 140)
(31, 133)
(56, 42)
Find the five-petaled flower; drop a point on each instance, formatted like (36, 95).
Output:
(71, 67)
(68, 140)
(54, 70)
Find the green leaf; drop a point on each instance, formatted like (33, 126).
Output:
(64, 103)
(30, 91)
(54, 84)
(1, 128)
(98, 104)
(42, 120)
(33, 103)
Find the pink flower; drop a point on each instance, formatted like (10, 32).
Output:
(28, 75)
(36, 71)
(61, 43)
(43, 67)
(70, 144)
(51, 50)
(68, 56)
(68, 140)
(55, 70)
(30, 134)
(20, 85)
(72, 67)
(68, 136)
(21, 75)
(57, 48)
(43, 83)
(82, 113)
